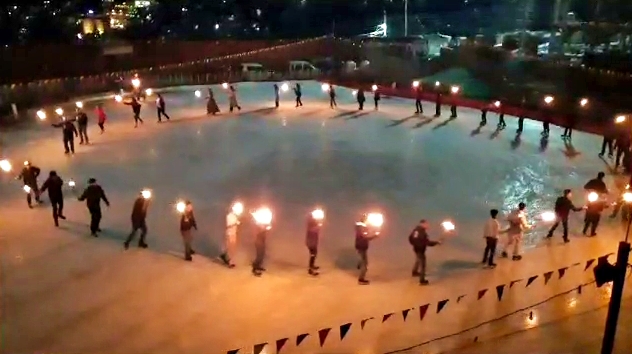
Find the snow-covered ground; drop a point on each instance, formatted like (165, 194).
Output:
(63, 291)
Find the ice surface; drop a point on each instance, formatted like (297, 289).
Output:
(67, 292)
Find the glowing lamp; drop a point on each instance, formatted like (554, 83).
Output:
(149, 92)
(318, 214)
(285, 87)
(118, 98)
(325, 87)
(41, 114)
(548, 216)
(415, 84)
(59, 111)
(448, 226)
(237, 208)
(593, 197)
(145, 193)
(627, 197)
(375, 220)
(263, 216)
(497, 104)
(374, 88)
(619, 119)
(27, 189)
(454, 89)
(136, 82)
(583, 102)
(198, 93)
(79, 104)
(225, 85)
(5, 165)
(71, 184)
(181, 207)
(548, 99)
(437, 84)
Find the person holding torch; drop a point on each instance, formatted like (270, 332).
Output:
(69, 132)
(594, 208)
(93, 194)
(187, 223)
(29, 175)
(517, 226)
(54, 184)
(263, 220)
(82, 123)
(563, 207)
(420, 241)
(363, 236)
(230, 238)
(139, 215)
(314, 224)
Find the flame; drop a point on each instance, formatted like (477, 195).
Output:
(448, 225)
(146, 193)
(59, 111)
(181, 207)
(415, 84)
(237, 208)
(263, 216)
(318, 214)
(225, 85)
(285, 87)
(198, 94)
(593, 197)
(5, 165)
(41, 114)
(375, 219)
(548, 216)
(325, 87)
(79, 104)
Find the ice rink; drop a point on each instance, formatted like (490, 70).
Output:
(64, 291)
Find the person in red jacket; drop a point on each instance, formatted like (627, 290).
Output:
(101, 118)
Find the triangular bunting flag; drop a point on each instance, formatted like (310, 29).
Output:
(422, 311)
(500, 290)
(481, 293)
(300, 338)
(531, 280)
(579, 289)
(588, 264)
(364, 321)
(259, 348)
(458, 299)
(322, 335)
(513, 282)
(575, 264)
(386, 317)
(234, 351)
(561, 272)
(344, 329)
(405, 314)
(547, 277)
(280, 343)
(441, 305)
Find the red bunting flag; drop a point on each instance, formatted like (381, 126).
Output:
(344, 329)
(422, 311)
(547, 277)
(531, 280)
(386, 317)
(364, 321)
(259, 348)
(588, 264)
(300, 338)
(579, 290)
(513, 282)
(405, 314)
(458, 299)
(575, 264)
(500, 289)
(561, 272)
(481, 293)
(442, 304)
(280, 343)
(322, 335)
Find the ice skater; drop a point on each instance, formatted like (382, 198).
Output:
(136, 106)
(491, 232)
(29, 175)
(453, 113)
(187, 224)
(622, 147)
(276, 96)
(377, 96)
(261, 237)
(332, 97)
(54, 184)
(597, 184)
(420, 241)
(232, 99)
(312, 238)
(608, 140)
(160, 108)
(484, 111)
(362, 240)
(571, 121)
(299, 94)
(501, 116)
(520, 123)
(211, 104)
(82, 124)
(438, 104)
(361, 99)
(139, 215)
(563, 207)
(419, 109)
(593, 215)
(545, 126)
(93, 194)
(230, 236)
(69, 132)
(517, 226)
(101, 118)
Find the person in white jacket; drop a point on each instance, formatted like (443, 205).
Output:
(517, 225)
(232, 99)
(230, 237)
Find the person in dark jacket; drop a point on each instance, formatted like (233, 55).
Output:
(419, 109)
(160, 108)
(314, 223)
(69, 132)
(332, 97)
(277, 97)
(521, 115)
(501, 117)
(299, 94)
(139, 214)
(377, 96)
(82, 123)
(362, 239)
(608, 140)
(622, 145)
(484, 111)
(29, 175)
(438, 104)
(361, 99)
(93, 194)
(571, 121)
(593, 216)
(261, 238)
(597, 184)
(420, 241)
(136, 106)
(563, 208)
(54, 184)
(187, 223)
